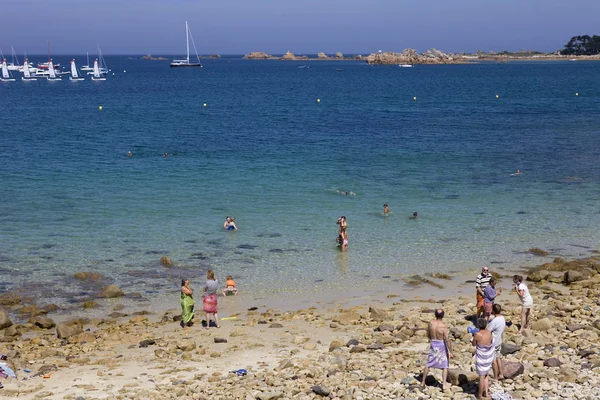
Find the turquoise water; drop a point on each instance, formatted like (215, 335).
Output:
(264, 150)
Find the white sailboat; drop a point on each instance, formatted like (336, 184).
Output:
(26, 74)
(74, 73)
(87, 67)
(5, 74)
(186, 62)
(102, 67)
(97, 76)
(52, 73)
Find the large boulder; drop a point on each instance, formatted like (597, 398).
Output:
(44, 322)
(322, 56)
(511, 369)
(378, 315)
(538, 275)
(66, 330)
(508, 348)
(5, 322)
(576, 275)
(339, 55)
(111, 291)
(542, 325)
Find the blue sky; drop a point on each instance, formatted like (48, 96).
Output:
(301, 26)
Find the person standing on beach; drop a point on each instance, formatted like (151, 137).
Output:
(481, 282)
(526, 301)
(489, 295)
(187, 303)
(210, 298)
(497, 325)
(439, 349)
(484, 356)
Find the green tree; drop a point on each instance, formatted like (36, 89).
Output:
(583, 45)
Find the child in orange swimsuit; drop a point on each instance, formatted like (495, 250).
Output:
(230, 286)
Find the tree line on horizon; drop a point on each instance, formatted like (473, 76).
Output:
(583, 45)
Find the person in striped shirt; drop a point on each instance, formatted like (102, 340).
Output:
(481, 282)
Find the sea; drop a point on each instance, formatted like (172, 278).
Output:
(287, 147)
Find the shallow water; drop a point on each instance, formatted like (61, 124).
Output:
(264, 150)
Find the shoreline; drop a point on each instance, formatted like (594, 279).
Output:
(308, 341)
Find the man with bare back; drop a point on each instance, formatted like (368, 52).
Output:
(440, 348)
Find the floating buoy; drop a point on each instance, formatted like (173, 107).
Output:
(204, 105)
(124, 70)
(576, 94)
(497, 96)
(100, 108)
(415, 98)
(318, 100)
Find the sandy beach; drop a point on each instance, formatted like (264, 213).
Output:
(362, 345)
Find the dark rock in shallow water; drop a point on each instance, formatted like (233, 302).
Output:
(276, 251)
(247, 246)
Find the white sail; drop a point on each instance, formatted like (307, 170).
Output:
(5, 74)
(74, 73)
(51, 71)
(26, 72)
(96, 69)
(97, 74)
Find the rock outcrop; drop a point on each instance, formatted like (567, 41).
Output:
(258, 55)
(410, 56)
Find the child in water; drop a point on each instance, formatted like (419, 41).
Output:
(230, 287)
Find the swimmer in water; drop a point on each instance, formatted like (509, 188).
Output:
(129, 154)
(229, 224)
(518, 172)
(166, 155)
(386, 209)
(349, 193)
(414, 216)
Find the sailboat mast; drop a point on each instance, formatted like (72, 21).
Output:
(187, 41)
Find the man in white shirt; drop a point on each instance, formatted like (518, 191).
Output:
(496, 326)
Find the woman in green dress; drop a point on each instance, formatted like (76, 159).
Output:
(187, 303)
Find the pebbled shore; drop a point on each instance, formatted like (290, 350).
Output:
(371, 351)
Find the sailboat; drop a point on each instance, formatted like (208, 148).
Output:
(87, 66)
(5, 75)
(97, 76)
(186, 62)
(74, 73)
(52, 73)
(102, 67)
(26, 74)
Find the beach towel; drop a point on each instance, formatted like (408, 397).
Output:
(484, 355)
(187, 308)
(6, 372)
(210, 303)
(438, 355)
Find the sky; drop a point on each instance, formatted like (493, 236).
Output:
(301, 26)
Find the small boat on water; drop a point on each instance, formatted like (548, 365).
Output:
(186, 62)
(26, 74)
(97, 74)
(75, 73)
(52, 77)
(405, 65)
(6, 77)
